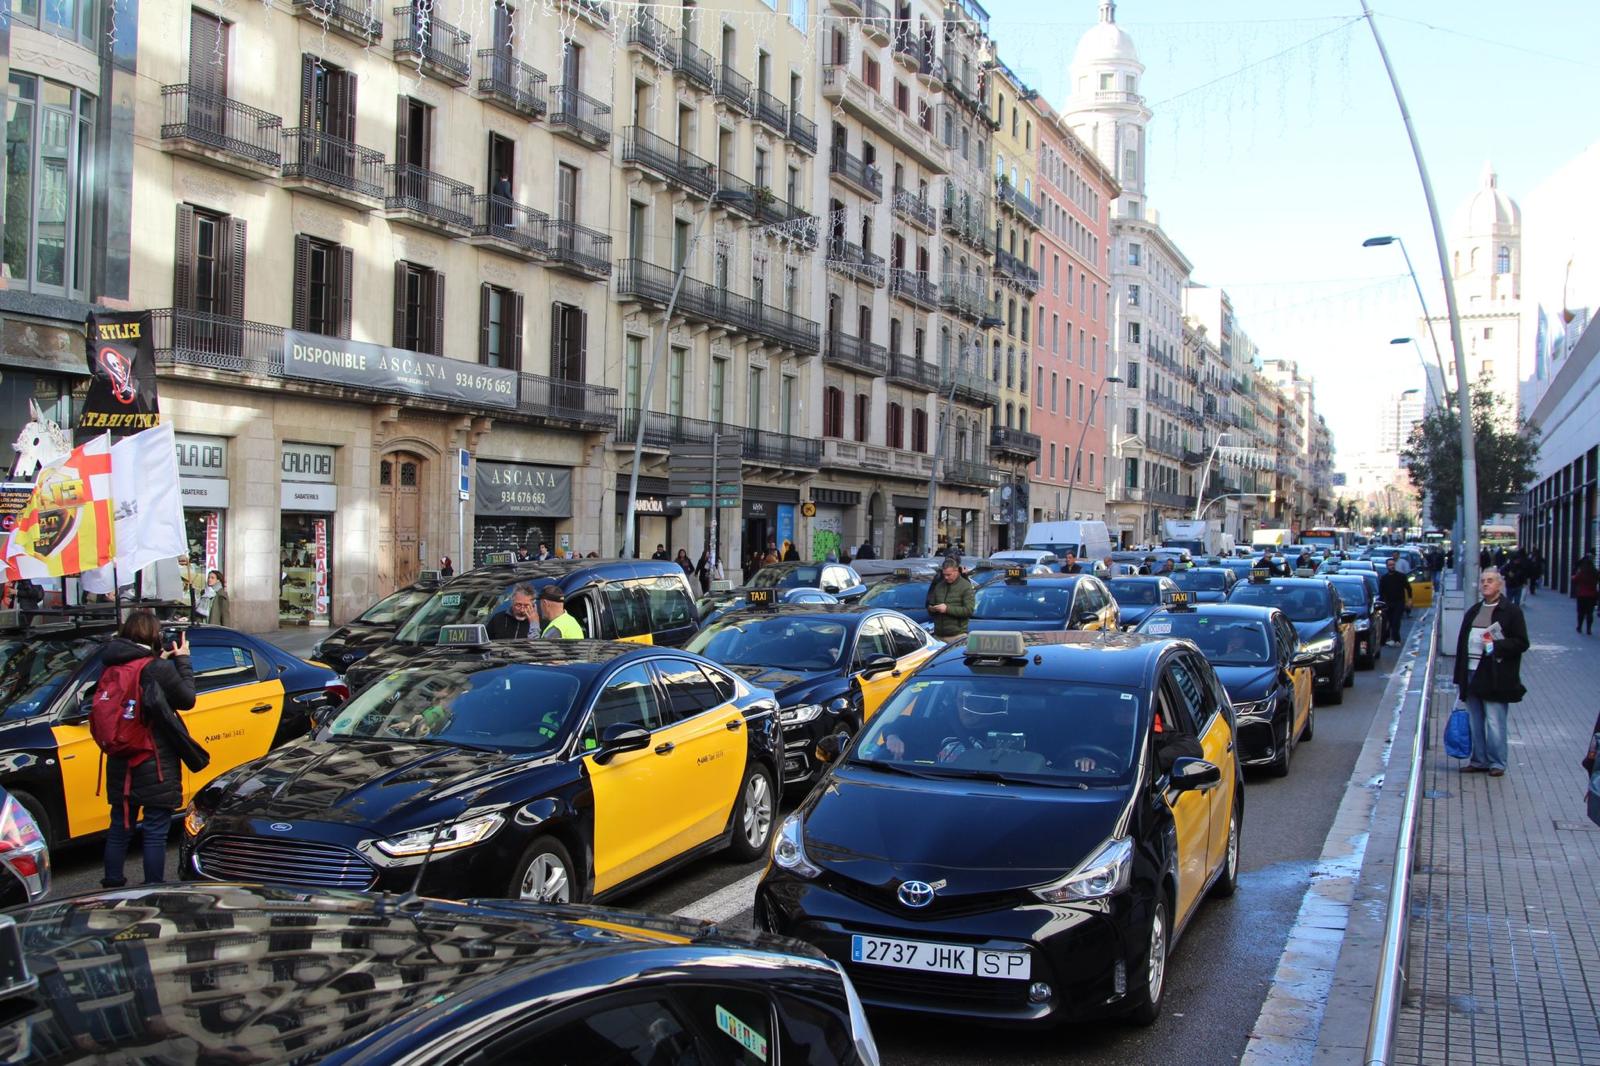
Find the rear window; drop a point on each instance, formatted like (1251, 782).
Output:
(898, 596)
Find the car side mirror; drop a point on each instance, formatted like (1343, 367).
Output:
(1190, 775)
(876, 665)
(831, 746)
(832, 590)
(1347, 617)
(620, 737)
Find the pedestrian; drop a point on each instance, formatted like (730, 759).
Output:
(1585, 589)
(791, 554)
(1535, 571)
(865, 551)
(1515, 573)
(682, 559)
(523, 555)
(446, 567)
(1070, 566)
(211, 606)
(951, 600)
(1488, 670)
(1395, 592)
(151, 684)
(553, 616)
(660, 554)
(702, 570)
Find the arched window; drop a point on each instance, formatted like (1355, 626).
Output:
(1502, 260)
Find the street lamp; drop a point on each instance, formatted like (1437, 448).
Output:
(1427, 376)
(1088, 416)
(1379, 242)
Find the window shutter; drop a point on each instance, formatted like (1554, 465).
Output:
(346, 284)
(579, 370)
(402, 139)
(557, 320)
(233, 262)
(183, 261)
(436, 340)
(513, 346)
(308, 88)
(300, 316)
(347, 96)
(400, 272)
(484, 296)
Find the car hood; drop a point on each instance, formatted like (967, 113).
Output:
(1132, 614)
(1313, 630)
(1247, 683)
(784, 681)
(351, 642)
(368, 783)
(383, 658)
(879, 830)
(1049, 625)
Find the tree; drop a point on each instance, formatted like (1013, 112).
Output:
(1507, 449)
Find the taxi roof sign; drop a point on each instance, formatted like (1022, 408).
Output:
(1304, 571)
(761, 597)
(996, 644)
(1179, 602)
(428, 577)
(1015, 573)
(499, 558)
(464, 636)
(1259, 573)
(902, 571)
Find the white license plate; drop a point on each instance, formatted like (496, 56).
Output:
(940, 958)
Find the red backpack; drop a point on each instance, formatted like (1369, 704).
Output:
(116, 718)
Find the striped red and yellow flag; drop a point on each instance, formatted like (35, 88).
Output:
(68, 526)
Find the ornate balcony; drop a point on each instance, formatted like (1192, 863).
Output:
(969, 386)
(733, 89)
(663, 432)
(914, 288)
(210, 127)
(511, 84)
(674, 165)
(509, 227)
(912, 372)
(651, 37)
(912, 208)
(1014, 444)
(875, 22)
(968, 472)
(967, 219)
(802, 132)
(332, 168)
(1009, 197)
(427, 199)
(856, 262)
(965, 299)
(1013, 270)
(857, 173)
(772, 112)
(772, 210)
(440, 48)
(735, 194)
(701, 301)
(361, 24)
(580, 117)
(853, 353)
(907, 47)
(578, 250)
(695, 66)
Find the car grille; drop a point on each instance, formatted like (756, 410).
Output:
(943, 906)
(296, 862)
(936, 988)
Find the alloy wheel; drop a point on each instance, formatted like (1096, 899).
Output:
(757, 811)
(1157, 972)
(546, 881)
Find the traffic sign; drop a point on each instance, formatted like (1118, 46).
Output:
(704, 502)
(464, 468)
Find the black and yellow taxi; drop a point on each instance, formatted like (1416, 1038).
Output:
(250, 697)
(831, 667)
(1206, 583)
(1326, 630)
(1021, 602)
(542, 770)
(1139, 594)
(1023, 832)
(644, 601)
(352, 641)
(1359, 590)
(1255, 652)
(836, 579)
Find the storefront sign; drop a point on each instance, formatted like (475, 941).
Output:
(523, 490)
(373, 366)
(122, 383)
(302, 496)
(321, 599)
(205, 493)
(307, 462)
(202, 456)
(213, 542)
(14, 497)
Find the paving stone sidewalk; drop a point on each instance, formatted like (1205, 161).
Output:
(1504, 948)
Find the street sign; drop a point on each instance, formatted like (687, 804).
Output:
(464, 468)
(703, 502)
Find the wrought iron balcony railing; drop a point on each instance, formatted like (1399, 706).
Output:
(915, 210)
(521, 228)
(1010, 267)
(581, 116)
(913, 372)
(914, 287)
(696, 65)
(427, 195)
(1015, 442)
(436, 43)
(735, 193)
(855, 261)
(358, 21)
(1008, 195)
(734, 89)
(771, 111)
(857, 172)
(968, 385)
(652, 36)
(678, 166)
(581, 250)
(714, 304)
(968, 472)
(875, 22)
(211, 120)
(332, 163)
(666, 431)
(802, 132)
(511, 83)
(853, 353)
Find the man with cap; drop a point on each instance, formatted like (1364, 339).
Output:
(558, 624)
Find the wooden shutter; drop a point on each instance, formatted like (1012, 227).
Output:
(183, 261)
(400, 273)
(346, 81)
(300, 316)
(436, 338)
(513, 347)
(485, 297)
(402, 131)
(308, 90)
(232, 262)
(577, 370)
(558, 321)
(346, 284)
(208, 53)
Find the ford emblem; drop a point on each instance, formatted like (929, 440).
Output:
(284, 827)
(916, 894)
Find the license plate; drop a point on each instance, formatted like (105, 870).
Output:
(927, 957)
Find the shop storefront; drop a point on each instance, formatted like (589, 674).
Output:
(307, 502)
(654, 519)
(830, 526)
(517, 505)
(959, 530)
(203, 481)
(910, 526)
(764, 512)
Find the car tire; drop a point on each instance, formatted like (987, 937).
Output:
(1311, 723)
(1152, 983)
(545, 874)
(1350, 676)
(35, 808)
(1227, 882)
(1336, 691)
(753, 816)
(1279, 766)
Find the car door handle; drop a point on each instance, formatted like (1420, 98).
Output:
(1230, 745)
(665, 749)
(261, 708)
(733, 726)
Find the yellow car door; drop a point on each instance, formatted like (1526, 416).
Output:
(1421, 584)
(633, 790)
(707, 760)
(1300, 679)
(872, 642)
(913, 646)
(1202, 697)
(238, 704)
(1191, 810)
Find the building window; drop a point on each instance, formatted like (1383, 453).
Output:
(418, 308)
(895, 427)
(1133, 296)
(1133, 421)
(863, 417)
(49, 184)
(499, 327)
(72, 19)
(1135, 254)
(1130, 473)
(677, 367)
(1132, 373)
(1135, 335)
(755, 400)
(1052, 459)
(208, 274)
(786, 405)
(632, 363)
(719, 388)
(919, 430)
(323, 273)
(569, 343)
(1502, 260)
(798, 14)
(832, 412)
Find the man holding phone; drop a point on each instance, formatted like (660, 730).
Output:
(1488, 673)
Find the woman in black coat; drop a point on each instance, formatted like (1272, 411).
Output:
(155, 785)
(1488, 671)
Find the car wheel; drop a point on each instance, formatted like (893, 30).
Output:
(35, 808)
(1350, 676)
(1279, 766)
(1153, 974)
(1311, 722)
(545, 874)
(752, 816)
(1227, 882)
(1336, 690)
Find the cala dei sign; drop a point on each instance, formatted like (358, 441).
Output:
(373, 366)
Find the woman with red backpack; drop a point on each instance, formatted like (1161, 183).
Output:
(134, 719)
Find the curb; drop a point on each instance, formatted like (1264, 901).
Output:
(1317, 1008)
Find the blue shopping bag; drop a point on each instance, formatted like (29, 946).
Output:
(1458, 735)
(1594, 797)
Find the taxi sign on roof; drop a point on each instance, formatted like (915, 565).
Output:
(761, 597)
(499, 558)
(1259, 573)
(1014, 573)
(463, 636)
(1304, 571)
(428, 577)
(996, 644)
(1180, 601)
(902, 571)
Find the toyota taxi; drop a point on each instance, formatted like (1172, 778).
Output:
(1022, 833)
(1326, 629)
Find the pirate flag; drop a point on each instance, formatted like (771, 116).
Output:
(122, 365)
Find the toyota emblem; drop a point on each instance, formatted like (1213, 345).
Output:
(280, 827)
(916, 894)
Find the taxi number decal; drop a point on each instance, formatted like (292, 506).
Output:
(450, 599)
(1159, 628)
(747, 1037)
(212, 738)
(713, 757)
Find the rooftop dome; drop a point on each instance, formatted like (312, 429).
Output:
(1487, 210)
(1105, 42)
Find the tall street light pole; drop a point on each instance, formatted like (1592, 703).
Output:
(1088, 417)
(1427, 375)
(1379, 242)
(1469, 458)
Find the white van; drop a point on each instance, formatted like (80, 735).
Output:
(1086, 540)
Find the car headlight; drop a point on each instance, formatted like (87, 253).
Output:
(1363, 624)
(1256, 708)
(789, 849)
(800, 713)
(451, 837)
(194, 823)
(1102, 874)
(1318, 647)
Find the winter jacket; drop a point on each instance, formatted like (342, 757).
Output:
(1499, 674)
(167, 686)
(1394, 590)
(958, 598)
(1585, 586)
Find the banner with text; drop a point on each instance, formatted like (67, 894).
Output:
(522, 490)
(122, 385)
(373, 366)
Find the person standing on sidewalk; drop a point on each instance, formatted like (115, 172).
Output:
(1515, 573)
(1585, 588)
(1488, 671)
(1395, 592)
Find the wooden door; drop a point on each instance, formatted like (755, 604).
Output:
(400, 518)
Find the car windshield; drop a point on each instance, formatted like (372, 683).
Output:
(1223, 641)
(1135, 593)
(455, 605)
(1299, 603)
(516, 708)
(396, 607)
(36, 673)
(898, 595)
(785, 577)
(1353, 591)
(774, 640)
(1201, 580)
(1022, 603)
(1018, 728)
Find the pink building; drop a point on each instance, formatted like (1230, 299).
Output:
(1071, 349)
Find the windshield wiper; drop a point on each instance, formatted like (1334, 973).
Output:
(892, 768)
(1001, 777)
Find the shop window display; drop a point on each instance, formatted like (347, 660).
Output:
(306, 570)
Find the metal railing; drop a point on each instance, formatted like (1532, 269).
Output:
(915, 210)
(966, 300)
(663, 430)
(787, 329)
(802, 131)
(408, 187)
(512, 82)
(968, 385)
(651, 34)
(907, 46)
(1015, 441)
(772, 111)
(1392, 952)
(677, 165)
(362, 22)
(734, 88)
(705, 302)
(574, 402)
(506, 220)
(854, 353)
(856, 171)
(1009, 266)
(734, 192)
(774, 210)
(580, 247)
(968, 472)
(213, 120)
(875, 21)
(434, 41)
(696, 64)
(1012, 197)
(856, 262)
(312, 155)
(582, 114)
(915, 287)
(906, 369)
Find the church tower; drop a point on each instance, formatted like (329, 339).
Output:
(1105, 108)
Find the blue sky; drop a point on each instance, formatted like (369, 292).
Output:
(1276, 148)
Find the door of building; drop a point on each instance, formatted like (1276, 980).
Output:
(399, 480)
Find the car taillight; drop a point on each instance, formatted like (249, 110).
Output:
(337, 691)
(22, 848)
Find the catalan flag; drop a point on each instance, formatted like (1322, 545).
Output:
(68, 525)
